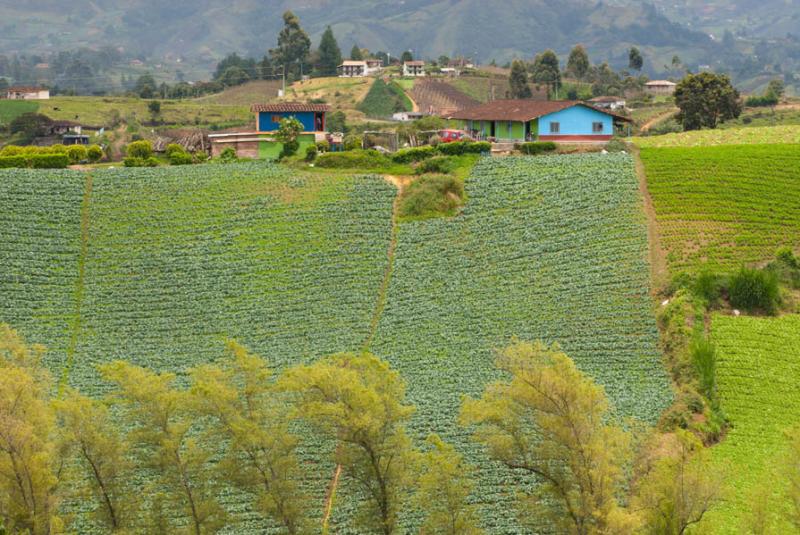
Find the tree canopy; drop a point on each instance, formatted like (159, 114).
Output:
(578, 63)
(329, 54)
(293, 48)
(706, 100)
(518, 80)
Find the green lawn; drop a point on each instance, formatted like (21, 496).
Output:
(758, 376)
(725, 206)
(11, 109)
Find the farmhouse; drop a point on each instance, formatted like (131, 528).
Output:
(261, 143)
(660, 87)
(608, 103)
(27, 93)
(413, 68)
(357, 69)
(530, 120)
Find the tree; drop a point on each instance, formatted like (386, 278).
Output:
(359, 401)
(678, 490)
(518, 80)
(265, 69)
(356, 54)
(635, 59)
(337, 122)
(578, 63)
(29, 457)
(145, 86)
(101, 453)
(550, 420)
(293, 47)
(444, 61)
(154, 107)
(161, 419)
(248, 413)
(442, 491)
(546, 70)
(705, 100)
(406, 56)
(288, 131)
(330, 56)
(234, 76)
(776, 88)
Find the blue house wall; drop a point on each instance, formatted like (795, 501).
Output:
(576, 121)
(269, 121)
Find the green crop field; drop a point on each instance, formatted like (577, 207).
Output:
(725, 136)
(11, 109)
(383, 99)
(758, 372)
(725, 205)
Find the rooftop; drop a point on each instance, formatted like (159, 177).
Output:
(660, 82)
(416, 63)
(521, 110)
(353, 62)
(607, 98)
(24, 89)
(282, 107)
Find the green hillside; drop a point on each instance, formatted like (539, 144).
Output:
(725, 205)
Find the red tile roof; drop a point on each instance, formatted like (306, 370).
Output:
(290, 107)
(24, 89)
(521, 110)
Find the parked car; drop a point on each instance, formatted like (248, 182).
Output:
(448, 136)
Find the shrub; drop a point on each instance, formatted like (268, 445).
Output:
(413, 154)
(704, 360)
(754, 289)
(228, 155)
(323, 146)
(458, 148)
(49, 161)
(707, 286)
(95, 153)
(58, 148)
(289, 149)
(353, 142)
(536, 147)
(77, 154)
(616, 145)
(363, 159)
(133, 161)
(200, 156)
(432, 196)
(786, 256)
(311, 153)
(180, 158)
(139, 149)
(759, 101)
(173, 148)
(438, 164)
(7, 162)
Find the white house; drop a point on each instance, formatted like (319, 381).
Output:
(27, 93)
(357, 69)
(660, 87)
(608, 103)
(414, 68)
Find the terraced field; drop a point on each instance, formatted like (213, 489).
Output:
(758, 373)
(725, 205)
(725, 136)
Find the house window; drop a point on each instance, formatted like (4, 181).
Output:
(508, 128)
(555, 128)
(276, 118)
(597, 128)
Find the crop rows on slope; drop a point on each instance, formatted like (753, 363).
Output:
(731, 136)
(40, 214)
(725, 205)
(550, 248)
(758, 372)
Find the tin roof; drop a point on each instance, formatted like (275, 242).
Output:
(521, 110)
(283, 107)
(660, 82)
(24, 89)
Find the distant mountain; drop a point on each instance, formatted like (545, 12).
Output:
(201, 31)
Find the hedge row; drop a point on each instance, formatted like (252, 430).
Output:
(364, 159)
(35, 161)
(536, 147)
(457, 148)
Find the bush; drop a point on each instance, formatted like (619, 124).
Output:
(363, 159)
(323, 146)
(707, 286)
(616, 145)
(353, 142)
(457, 148)
(438, 164)
(77, 154)
(228, 155)
(311, 153)
(754, 289)
(11, 150)
(413, 154)
(49, 161)
(7, 162)
(95, 153)
(536, 147)
(200, 156)
(180, 158)
(432, 196)
(173, 148)
(786, 256)
(289, 149)
(58, 148)
(766, 100)
(704, 360)
(139, 149)
(132, 161)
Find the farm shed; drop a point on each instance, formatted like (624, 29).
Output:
(521, 120)
(660, 87)
(27, 93)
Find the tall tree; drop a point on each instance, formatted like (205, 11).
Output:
(705, 100)
(265, 69)
(518, 80)
(359, 401)
(101, 453)
(635, 59)
(551, 421)
(406, 56)
(330, 56)
(578, 63)
(356, 54)
(546, 70)
(29, 457)
(293, 47)
(162, 420)
(248, 413)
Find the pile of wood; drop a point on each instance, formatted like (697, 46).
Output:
(191, 140)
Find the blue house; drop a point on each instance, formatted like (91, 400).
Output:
(532, 120)
(269, 116)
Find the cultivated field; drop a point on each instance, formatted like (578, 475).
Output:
(725, 136)
(725, 205)
(758, 370)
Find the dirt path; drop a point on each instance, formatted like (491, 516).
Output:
(79, 284)
(657, 119)
(414, 105)
(659, 274)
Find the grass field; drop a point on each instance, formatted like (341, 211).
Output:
(758, 373)
(725, 205)
(550, 248)
(383, 99)
(11, 109)
(725, 136)
(260, 91)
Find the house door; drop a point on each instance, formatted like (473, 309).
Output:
(319, 122)
(527, 131)
(492, 129)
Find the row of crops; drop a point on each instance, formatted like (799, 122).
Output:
(731, 136)
(550, 248)
(758, 369)
(725, 205)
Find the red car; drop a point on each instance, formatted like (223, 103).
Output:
(448, 136)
